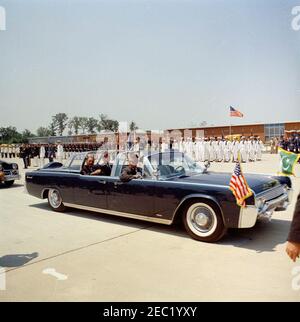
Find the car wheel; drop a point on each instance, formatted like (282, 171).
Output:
(9, 183)
(55, 200)
(203, 221)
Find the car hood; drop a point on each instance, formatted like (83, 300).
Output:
(256, 182)
(6, 165)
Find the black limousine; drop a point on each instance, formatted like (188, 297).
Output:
(11, 173)
(172, 187)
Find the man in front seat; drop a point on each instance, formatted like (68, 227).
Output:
(132, 171)
(90, 168)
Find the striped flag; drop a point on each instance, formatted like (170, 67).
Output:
(239, 186)
(236, 113)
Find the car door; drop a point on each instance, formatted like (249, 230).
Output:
(90, 191)
(133, 197)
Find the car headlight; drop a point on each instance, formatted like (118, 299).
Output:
(15, 166)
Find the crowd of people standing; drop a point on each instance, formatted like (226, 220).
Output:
(213, 149)
(291, 144)
(220, 149)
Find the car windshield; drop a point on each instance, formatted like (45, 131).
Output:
(169, 164)
(76, 161)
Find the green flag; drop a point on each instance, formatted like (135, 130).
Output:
(288, 161)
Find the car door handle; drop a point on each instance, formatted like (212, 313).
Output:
(117, 183)
(102, 181)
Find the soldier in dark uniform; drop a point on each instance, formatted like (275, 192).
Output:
(291, 144)
(293, 245)
(297, 144)
(282, 143)
(132, 171)
(23, 155)
(28, 154)
(51, 153)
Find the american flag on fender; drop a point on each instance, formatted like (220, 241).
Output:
(234, 112)
(238, 185)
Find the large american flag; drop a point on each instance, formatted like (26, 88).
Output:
(234, 112)
(239, 186)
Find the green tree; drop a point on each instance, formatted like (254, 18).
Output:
(133, 126)
(52, 129)
(108, 124)
(26, 134)
(74, 123)
(10, 135)
(43, 131)
(60, 122)
(83, 123)
(92, 124)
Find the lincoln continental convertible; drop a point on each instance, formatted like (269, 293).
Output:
(171, 187)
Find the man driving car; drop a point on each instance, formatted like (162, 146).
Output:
(90, 168)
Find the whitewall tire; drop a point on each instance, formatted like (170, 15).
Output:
(55, 200)
(203, 221)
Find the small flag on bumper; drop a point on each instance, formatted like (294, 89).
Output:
(239, 187)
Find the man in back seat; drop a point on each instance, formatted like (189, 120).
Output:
(132, 171)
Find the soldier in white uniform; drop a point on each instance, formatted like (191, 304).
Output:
(60, 153)
(211, 149)
(226, 150)
(243, 148)
(219, 149)
(17, 151)
(206, 149)
(251, 149)
(2, 151)
(13, 151)
(6, 151)
(181, 145)
(42, 155)
(201, 150)
(235, 149)
(9, 151)
(259, 148)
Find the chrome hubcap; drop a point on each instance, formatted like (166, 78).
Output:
(54, 198)
(202, 219)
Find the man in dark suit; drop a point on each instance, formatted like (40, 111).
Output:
(132, 171)
(293, 244)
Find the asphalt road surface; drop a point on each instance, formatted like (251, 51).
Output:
(82, 256)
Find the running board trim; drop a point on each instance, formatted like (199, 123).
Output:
(120, 214)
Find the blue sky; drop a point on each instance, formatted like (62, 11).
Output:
(164, 64)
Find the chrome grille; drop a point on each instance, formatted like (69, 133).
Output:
(7, 172)
(272, 193)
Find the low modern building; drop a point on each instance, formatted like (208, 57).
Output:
(265, 131)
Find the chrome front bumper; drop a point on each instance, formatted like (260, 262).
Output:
(11, 177)
(250, 214)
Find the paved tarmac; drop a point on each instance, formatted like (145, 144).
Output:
(81, 256)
